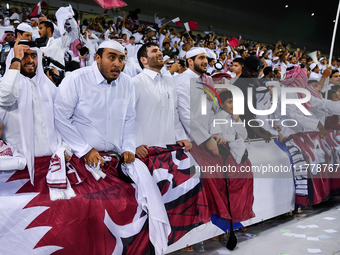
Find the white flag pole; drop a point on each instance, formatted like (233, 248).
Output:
(332, 46)
(170, 20)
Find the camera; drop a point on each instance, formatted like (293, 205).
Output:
(46, 61)
(84, 50)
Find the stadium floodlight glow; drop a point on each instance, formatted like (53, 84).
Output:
(312, 14)
(286, 6)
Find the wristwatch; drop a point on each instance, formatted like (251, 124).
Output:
(16, 59)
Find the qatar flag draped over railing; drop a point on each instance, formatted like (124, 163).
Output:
(106, 216)
(316, 165)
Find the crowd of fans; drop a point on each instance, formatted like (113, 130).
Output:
(164, 114)
(66, 50)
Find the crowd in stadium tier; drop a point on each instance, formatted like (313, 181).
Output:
(74, 88)
(67, 46)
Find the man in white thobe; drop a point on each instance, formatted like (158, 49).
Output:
(26, 106)
(157, 121)
(56, 48)
(189, 101)
(94, 107)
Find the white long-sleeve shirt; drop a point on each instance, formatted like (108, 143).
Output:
(56, 48)
(189, 107)
(138, 37)
(92, 45)
(9, 93)
(90, 113)
(156, 110)
(320, 108)
(130, 67)
(229, 131)
(35, 33)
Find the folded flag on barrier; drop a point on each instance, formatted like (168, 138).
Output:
(316, 165)
(105, 217)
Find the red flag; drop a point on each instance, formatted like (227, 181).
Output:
(108, 4)
(36, 11)
(190, 25)
(233, 42)
(105, 12)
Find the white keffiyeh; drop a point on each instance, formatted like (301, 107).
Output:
(46, 91)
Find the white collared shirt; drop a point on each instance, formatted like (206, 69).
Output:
(229, 132)
(9, 93)
(189, 107)
(156, 110)
(41, 146)
(56, 47)
(90, 113)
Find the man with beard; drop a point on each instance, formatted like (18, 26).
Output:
(7, 37)
(5, 49)
(94, 107)
(26, 102)
(157, 119)
(189, 100)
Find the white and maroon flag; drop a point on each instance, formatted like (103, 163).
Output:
(36, 11)
(190, 25)
(316, 165)
(177, 21)
(106, 216)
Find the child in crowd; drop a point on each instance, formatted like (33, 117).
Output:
(10, 159)
(230, 127)
(233, 128)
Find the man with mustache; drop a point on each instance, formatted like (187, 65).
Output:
(26, 102)
(94, 107)
(189, 100)
(156, 104)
